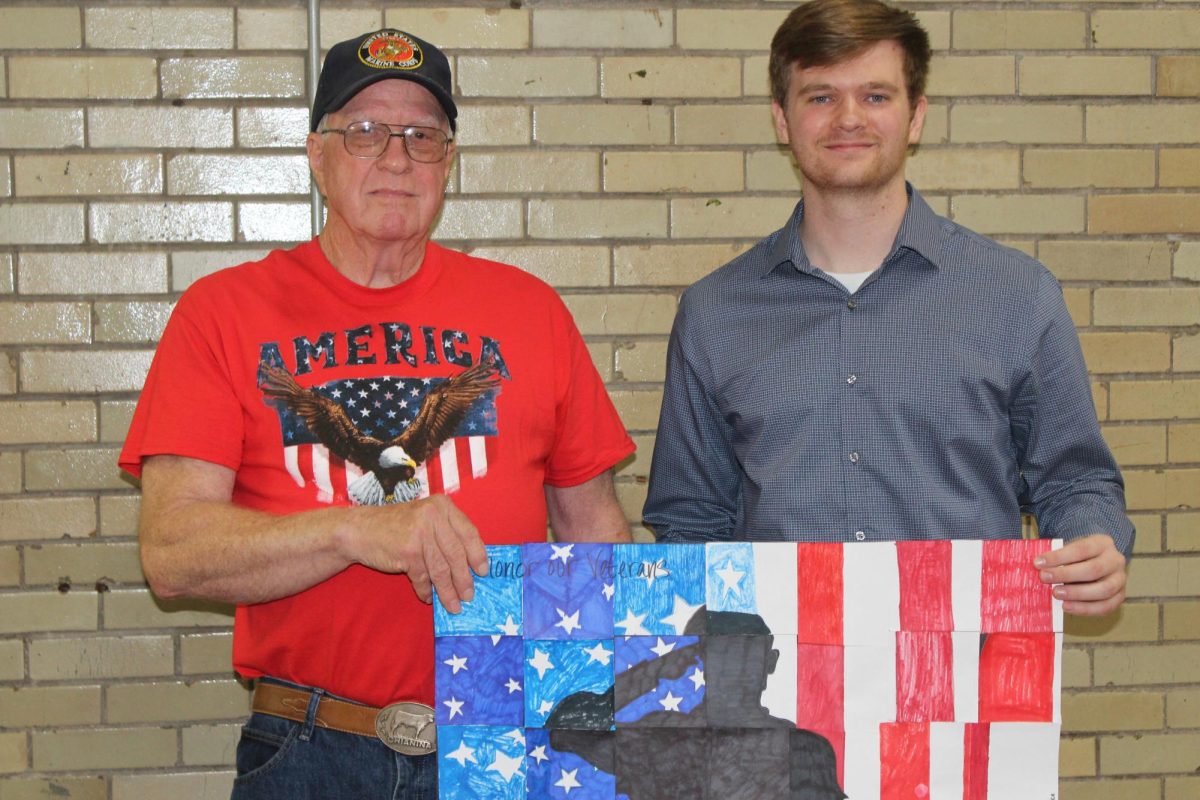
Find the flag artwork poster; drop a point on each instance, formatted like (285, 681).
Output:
(919, 669)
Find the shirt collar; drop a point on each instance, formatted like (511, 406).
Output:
(921, 231)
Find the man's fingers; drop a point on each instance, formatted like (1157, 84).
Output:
(441, 574)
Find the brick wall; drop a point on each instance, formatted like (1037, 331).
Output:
(619, 150)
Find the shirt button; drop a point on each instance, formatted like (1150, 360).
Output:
(860, 535)
(853, 379)
(851, 304)
(854, 457)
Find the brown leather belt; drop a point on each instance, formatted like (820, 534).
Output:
(404, 727)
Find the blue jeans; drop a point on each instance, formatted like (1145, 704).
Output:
(278, 759)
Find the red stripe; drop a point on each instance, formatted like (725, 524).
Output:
(1016, 678)
(819, 578)
(337, 479)
(975, 760)
(1014, 599)
(903, 760)
(924, 676)
(925, 585)
(820, 675)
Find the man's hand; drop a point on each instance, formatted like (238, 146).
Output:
(1091, 572)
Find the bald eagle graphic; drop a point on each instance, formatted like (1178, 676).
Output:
(389, 467)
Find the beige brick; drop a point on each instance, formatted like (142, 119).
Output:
(756, 81)
(1056, 169)
(47, 611)
(642, 361)
(74, 372)
(937, 125)
(496, 126)
(115, 416)
(82, 565)
(5, 181)
(119, 515)
(1149, 664)
(159, 28)
(1110, 711)
(1016, 123)
(26, 422)
(723, 125)
(131, 322)
(1143, 124)
(45, 706)
(1187, 261)
(1149, 533)
(12, 660)
(601, 125)
(526, 172)
(1178, 76)
(138, 608)
(639, 411)
(602, 358)
(189, 265)
(669, 264)
(115, 223)
(274, 222)
(1168, 213)
(971, 76)
(44, 323)
(632, 498)
(1148, 29)
(29, 27)
(202, 653)
(617, 314)
(245, 76)
(272, 127)
(340, 24)
(1109, 789)
(172, 701)
(222, 175)
(100, 657)
(1020, 30)
(1085, 75)
(1183, 709)
(1125, 352)
(210, 744)
(8, 376)
(528, 76)
(271, 28)
(84, 174)
(100, 78)
(1079, 305)
(775, 171)
(666, 76)
(726, 29)
(1147, 306)
(158, 127)
(475, 28)
(1133, 622)
(1077, 758)
(10, 566)
(1137, 444)
(566, 265)
(673, 172)
(1026, 213)
(1179, 166)
(41, 223)
(10, 473)
(41, 128)
(1184, 442)
(14, 753)
(1145, 489)
(943, 168)
(103, 748)
(1183, 532)
(173, 785)
(937, 25)
(1176, 576)
(479, 219)
(627, 28)
(94, 788)
(47, 518)
(1181, 788)
(1098, 260)
(592, 219)
(728, 217)
(73, 470)
(92, 273)
(1125, 755)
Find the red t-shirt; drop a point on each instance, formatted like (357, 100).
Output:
(364, 634)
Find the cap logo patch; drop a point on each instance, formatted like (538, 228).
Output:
(390, 50)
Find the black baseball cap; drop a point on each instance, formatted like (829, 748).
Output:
(355, 64)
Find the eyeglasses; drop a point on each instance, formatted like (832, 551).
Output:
(370, 140)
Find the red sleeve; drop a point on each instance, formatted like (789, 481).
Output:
(589, 435)
(189, 406)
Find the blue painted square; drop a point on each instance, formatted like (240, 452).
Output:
(554, 774)
(568, 591)
(659, 588)
(479, 680)
(556, 670)
(659, 676)
(478, 762)
(730, 577)
(496, 607)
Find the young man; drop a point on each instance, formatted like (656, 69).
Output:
(329, 434)
(872, 371)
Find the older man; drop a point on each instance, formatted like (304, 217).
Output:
(329, 434)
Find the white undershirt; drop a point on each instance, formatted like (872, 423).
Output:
(851, 280)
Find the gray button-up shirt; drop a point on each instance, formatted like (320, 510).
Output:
(941, 399)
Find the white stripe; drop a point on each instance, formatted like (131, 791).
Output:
(449, 458)
(1023, 760)
(779, 696)
(871, 594)
(946, 753)
(422, 476)
(291, 462)
(862, 760)
(479, 463)
(966, 582)
(320, 460)
(966, 675)
(1056, 612)
(775, 584)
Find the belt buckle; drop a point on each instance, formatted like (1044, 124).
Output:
(407, 728)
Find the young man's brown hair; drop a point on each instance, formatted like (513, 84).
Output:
(824, 32)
